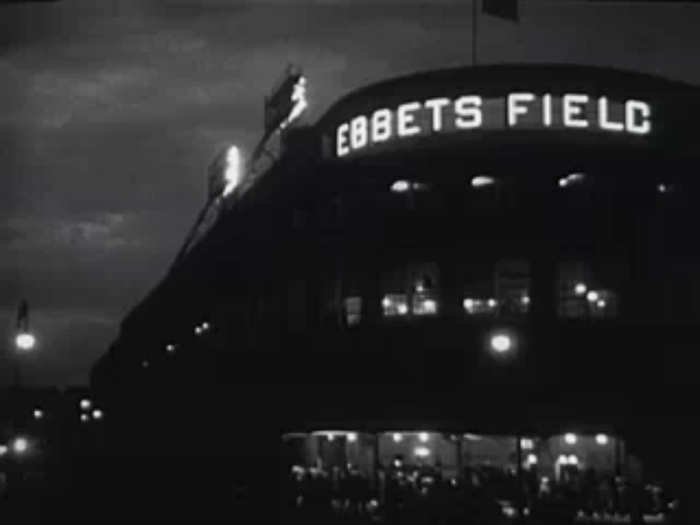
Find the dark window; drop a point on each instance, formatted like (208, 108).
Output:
(352, 310)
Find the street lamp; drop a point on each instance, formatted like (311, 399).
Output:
(20, 445)
(501, 342)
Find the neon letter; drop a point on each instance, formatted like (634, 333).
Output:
(514, 109)
(341, 140)
(405, 120)
(604, 117)
(547, 109)
(632, 108)
(468, 111)
(437, 105)
(381, 125)
(358, 132)
(571, 111)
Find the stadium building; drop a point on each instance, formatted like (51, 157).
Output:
(501, 251)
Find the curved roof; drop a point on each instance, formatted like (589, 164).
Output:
(676, 105)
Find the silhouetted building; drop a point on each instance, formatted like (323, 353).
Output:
(501, 249)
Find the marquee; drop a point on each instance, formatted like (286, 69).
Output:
(469, 112)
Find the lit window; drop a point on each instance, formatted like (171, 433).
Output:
(527, 444)
(421, 452)
(580, 293)
(352, 310)
(395, 305)
(481, 306)
(424, 304)
(501, 289)
(512, 286)
(413, 290)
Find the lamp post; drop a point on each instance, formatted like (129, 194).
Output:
(25, 342)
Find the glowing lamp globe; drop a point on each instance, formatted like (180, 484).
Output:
(20, 445)
(501, 343)
(25, 341)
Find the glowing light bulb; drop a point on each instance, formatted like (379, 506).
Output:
(501, 343)
(25, 341)
(570, 438)
(482, 180)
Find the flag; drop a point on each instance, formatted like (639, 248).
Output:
(23, 317)
(506, 9)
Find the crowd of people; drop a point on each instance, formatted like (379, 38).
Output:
(481, 495)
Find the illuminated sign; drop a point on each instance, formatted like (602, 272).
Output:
(516, 111)
(287, 103)
(225, 173)
(298, 99)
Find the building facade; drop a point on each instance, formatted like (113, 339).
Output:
(501, 250)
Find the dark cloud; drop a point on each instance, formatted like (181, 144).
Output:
(111, 111)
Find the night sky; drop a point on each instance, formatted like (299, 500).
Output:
(110, 115)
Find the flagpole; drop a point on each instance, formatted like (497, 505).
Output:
(475, 4)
